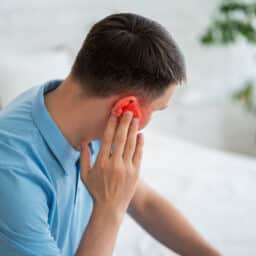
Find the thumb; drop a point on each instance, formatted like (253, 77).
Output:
(85, 160)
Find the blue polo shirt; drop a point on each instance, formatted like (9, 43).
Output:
(44, 206)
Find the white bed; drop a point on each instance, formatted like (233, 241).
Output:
(214, 189)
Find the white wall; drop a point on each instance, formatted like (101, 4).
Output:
(39, 39)
(35, 26)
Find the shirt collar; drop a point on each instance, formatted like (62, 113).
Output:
(65, 153)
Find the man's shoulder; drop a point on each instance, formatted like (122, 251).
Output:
(18, 110)
(17, 129)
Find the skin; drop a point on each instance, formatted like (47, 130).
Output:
(114, 180)
(69, 100)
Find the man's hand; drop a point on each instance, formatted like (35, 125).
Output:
(111, 181)
(113, 178)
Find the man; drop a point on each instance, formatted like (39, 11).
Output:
(69, 167)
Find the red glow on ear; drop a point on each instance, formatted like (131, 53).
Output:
(129, 104)
(134, 109)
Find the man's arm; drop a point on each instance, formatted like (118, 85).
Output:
(165, 223)
(100, 236)
(112, 182)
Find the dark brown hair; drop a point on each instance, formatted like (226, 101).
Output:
(128, 53)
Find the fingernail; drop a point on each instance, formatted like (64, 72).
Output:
(82, 146)
(128, 113)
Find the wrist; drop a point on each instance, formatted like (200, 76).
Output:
(108, 212)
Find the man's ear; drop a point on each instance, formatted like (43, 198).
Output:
(129, 103)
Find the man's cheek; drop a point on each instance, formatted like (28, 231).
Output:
(145, 118)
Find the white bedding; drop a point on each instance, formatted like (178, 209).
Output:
(214, 189)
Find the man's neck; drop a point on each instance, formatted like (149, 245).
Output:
(63, 106)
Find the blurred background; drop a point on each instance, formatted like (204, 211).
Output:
(204, 143)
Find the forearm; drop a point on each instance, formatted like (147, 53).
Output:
(164, 222)
(111, 181)
(101, 233)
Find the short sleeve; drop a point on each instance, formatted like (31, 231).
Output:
(24, 228)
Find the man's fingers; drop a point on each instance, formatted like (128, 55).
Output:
(121, 134)
(108, 136)
(131, 140)
(85, 160)
(139, 150)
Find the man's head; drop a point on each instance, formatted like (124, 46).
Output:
(127, 55)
